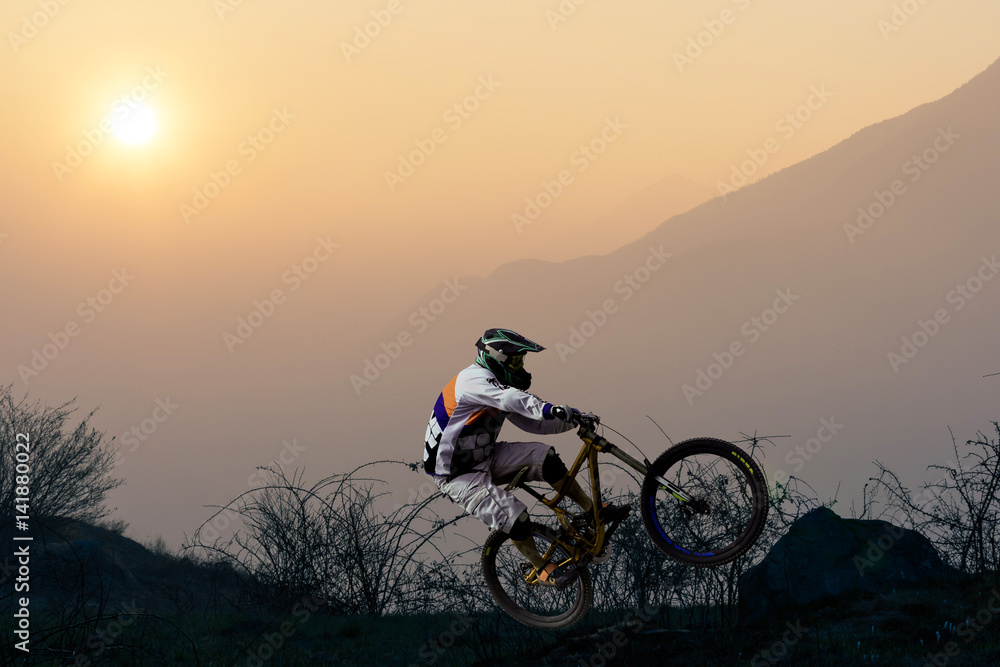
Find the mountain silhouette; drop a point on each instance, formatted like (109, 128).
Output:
(869, 268)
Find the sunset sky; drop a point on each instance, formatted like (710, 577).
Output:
(225, 70)
(206, 145)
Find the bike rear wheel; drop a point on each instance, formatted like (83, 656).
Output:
(534, 605)
(729, 502)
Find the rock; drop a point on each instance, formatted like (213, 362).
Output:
(825, 556)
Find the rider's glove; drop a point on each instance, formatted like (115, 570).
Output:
(566, 413)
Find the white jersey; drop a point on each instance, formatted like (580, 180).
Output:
(468, 415)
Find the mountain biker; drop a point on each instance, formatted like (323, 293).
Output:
(467, 463)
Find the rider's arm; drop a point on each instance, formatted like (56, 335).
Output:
(543, 427)
(526, 411)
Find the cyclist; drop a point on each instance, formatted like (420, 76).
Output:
(467, 463)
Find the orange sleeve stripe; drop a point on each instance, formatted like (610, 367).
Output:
(449, 396)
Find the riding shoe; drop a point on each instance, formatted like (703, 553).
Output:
(553, 576)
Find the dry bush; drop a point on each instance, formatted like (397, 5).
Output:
(330, 540)
(959, 513)
(71, 466)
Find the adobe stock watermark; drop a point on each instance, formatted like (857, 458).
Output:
(778, 651)
(272, 642)
(878, 547)
(606, 650)
(562, 12)
(698, 43)
(420, 320)
(248, 150)
(225, 518)
(433, 649)
(800, 454)
(223, 7)
(263, 309)
(891, 533)
(581, 158)
(957, 298)
(915, 168)
(144, 430)
(370, 30)
(121, 110)
(752, 329)
(290, 452)
(34, 23)
(417, 495)
(931, 493)
(967, 631)
(627, 287)
(787, 126)
(899, 17)
(98, 642)
(88, 310)
(454, 116)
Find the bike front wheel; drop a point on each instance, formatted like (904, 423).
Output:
(535, 605)
(720, 510)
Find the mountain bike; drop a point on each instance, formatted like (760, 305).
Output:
(703, 502)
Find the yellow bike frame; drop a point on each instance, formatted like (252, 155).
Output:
(593, 444)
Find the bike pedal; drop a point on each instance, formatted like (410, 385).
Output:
(529, 573)
(603, 556)
(566, 584)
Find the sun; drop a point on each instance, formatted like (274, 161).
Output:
(136, 127)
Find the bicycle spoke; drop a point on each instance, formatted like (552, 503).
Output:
(534, 598)
(720, 507)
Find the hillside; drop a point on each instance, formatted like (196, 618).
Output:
(907, 626)
(834, 347)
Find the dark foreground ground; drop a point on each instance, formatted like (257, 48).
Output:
(917, 627)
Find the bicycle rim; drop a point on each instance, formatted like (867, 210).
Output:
(534, 605)
(729, 502)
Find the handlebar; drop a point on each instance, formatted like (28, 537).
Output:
(587, 420)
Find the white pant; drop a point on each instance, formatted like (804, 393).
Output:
(477, 490)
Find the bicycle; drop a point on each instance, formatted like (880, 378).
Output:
(693, 513)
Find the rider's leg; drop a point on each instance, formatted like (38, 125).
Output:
(520, 537)
(554, 472)
(493, 505)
